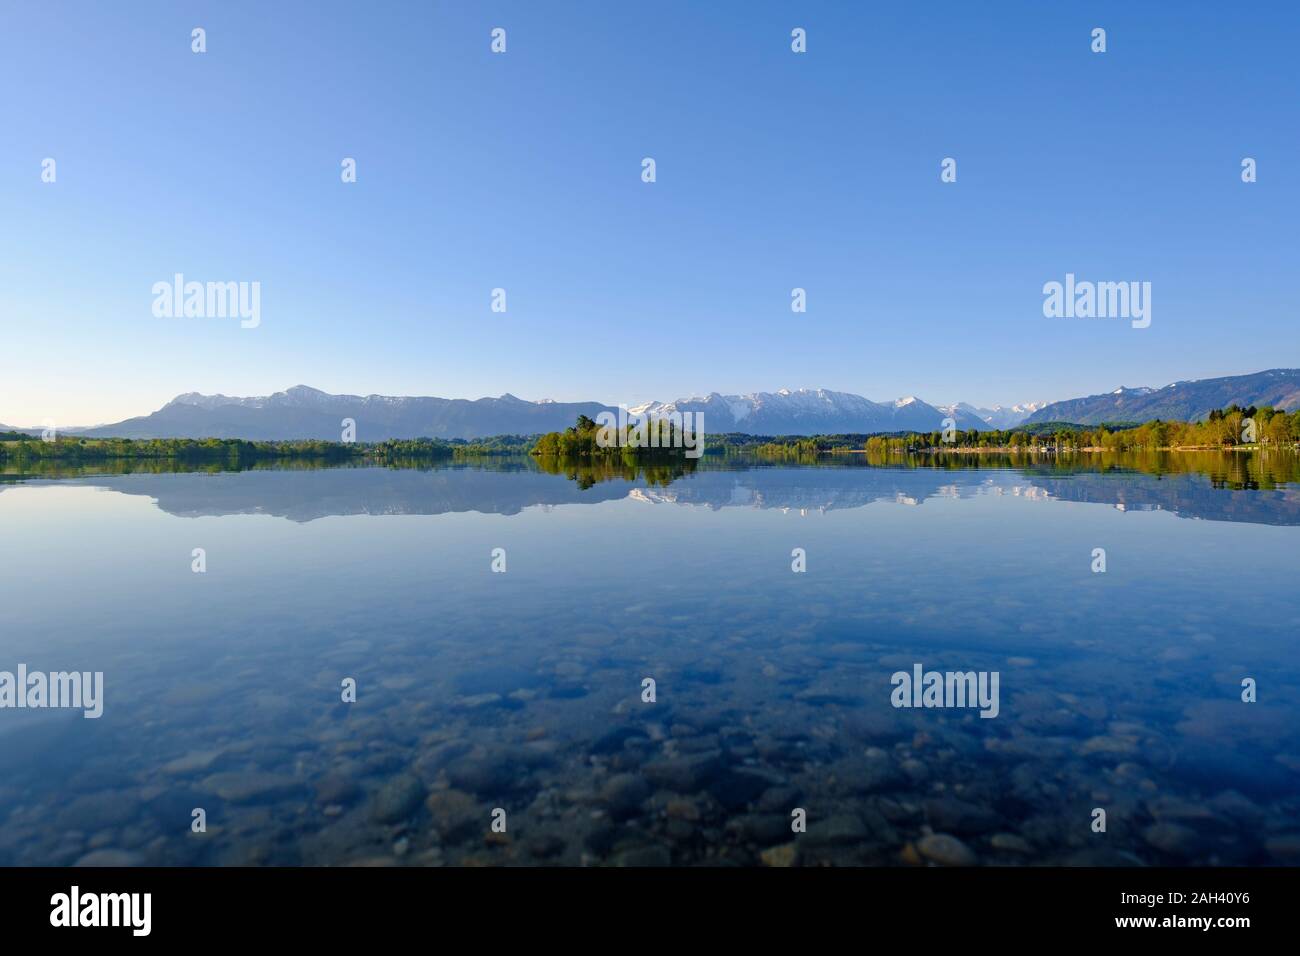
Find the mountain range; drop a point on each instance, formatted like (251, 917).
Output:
(998, 416)
(302, 412)
(808, 411)
(307, 413)
(1181, 401)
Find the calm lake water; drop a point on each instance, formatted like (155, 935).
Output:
(522, 690)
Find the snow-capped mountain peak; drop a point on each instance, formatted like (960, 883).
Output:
(807, 411)
(999, 416)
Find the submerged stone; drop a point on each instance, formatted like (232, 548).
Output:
(945, 850)
(397, 799)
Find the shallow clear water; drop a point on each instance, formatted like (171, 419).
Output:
(523, 690)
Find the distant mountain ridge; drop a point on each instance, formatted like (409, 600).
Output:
(33, 432)
(1181, 401)
(999, 416)
(308, 413)
(809, 411)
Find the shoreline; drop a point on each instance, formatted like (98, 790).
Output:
(1013, 450)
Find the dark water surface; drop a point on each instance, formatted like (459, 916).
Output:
(523, 691)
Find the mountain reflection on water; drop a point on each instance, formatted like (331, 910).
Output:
(1263, 489)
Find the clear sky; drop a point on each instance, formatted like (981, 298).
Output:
(523, 171)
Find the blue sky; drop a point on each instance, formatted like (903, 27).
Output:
(522, 171)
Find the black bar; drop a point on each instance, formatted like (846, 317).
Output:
(334, 906)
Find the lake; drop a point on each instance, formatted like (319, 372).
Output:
(504, 717)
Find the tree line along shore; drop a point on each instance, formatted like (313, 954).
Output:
(72, 449)
(1232, 428)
